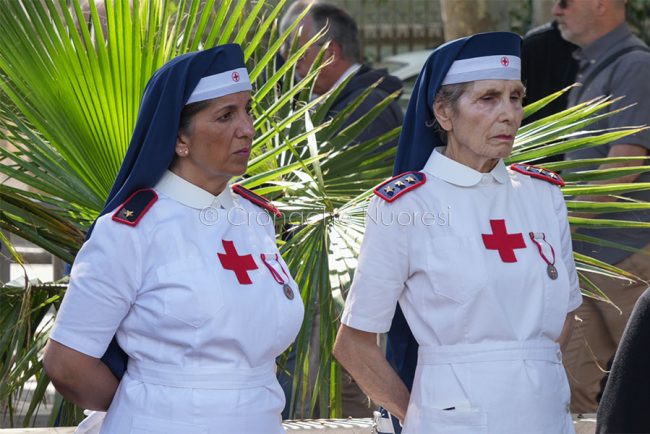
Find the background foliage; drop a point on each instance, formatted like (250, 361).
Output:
(70, 84)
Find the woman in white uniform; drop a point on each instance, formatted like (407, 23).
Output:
(183, 270)
(478, 256)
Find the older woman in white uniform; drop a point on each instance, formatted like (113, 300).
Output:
(478, 256)
(182, 268)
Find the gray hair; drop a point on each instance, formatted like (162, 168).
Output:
(341, 27)
(448, 95)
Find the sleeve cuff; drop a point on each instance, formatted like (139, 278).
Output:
(363, 324)
(78, 342)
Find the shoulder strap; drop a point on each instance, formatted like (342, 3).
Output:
(605, 63)
(539, 173)
(256, 199)
(135, 207)
(395, 187)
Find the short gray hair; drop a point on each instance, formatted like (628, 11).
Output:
(448, 95)
(341, 26)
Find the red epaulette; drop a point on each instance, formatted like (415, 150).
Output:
(400, 184)
(538, 172)
(135, 207)
(256, 199)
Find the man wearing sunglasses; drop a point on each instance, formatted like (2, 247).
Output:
(611, 61)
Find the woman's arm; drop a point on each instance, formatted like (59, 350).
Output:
(567, 330)
(359, 354)
(81, 379)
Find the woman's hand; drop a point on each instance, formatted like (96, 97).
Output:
(81, 379)
(358, 353)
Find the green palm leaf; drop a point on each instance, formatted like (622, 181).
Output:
(70, 88)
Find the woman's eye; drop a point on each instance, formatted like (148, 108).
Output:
(487, 98)
(225, 117)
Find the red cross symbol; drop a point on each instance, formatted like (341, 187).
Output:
(235, 76)
(241, 265)
(502, 241)
(505, 61)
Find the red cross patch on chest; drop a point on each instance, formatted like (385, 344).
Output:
(240, 265)
(502, 241)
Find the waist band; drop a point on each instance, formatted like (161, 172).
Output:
(544, 350)
(202, 378)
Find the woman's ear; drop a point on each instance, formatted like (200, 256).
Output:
(182, 147)
(442, 112)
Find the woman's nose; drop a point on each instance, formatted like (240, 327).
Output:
(247, 128)
(509, 111)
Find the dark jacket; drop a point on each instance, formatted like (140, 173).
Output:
(626, 399)
(547, 65)
(387, 120)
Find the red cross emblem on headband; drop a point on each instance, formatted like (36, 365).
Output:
(505, 61)
(502, 241)
(235, 76)
(240, 265)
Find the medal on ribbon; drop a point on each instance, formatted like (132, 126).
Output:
(546, 251)
(273, 264)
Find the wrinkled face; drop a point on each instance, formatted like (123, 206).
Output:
(481, 127)
(576, 20)
(217, 143)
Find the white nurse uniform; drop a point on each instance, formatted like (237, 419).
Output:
(200, 299)
(468, 256)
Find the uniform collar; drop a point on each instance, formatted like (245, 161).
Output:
(456, 173)
(191, 195)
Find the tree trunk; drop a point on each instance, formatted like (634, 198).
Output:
(541, 11)
(466, 17)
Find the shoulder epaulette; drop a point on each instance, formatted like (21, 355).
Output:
(135, 207)
(400, 184)
(256, 199)
(539, 173)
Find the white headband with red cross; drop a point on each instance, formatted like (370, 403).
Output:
(224, 83)
(496, 67)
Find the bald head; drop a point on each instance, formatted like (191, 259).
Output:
(584, 21)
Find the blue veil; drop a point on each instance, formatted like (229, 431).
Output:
(418, 139)
(152, 146)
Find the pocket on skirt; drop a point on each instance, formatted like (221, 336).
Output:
(436, 421)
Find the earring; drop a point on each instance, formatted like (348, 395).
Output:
(183, 152)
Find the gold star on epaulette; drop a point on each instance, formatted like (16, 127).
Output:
(128, 213)
(410, 180)
(389, 189)
(400, 184)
